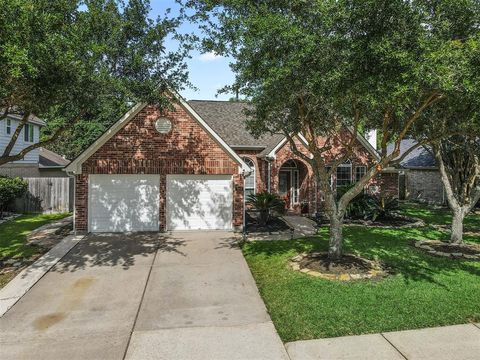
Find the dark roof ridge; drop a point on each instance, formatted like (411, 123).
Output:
(221, 101)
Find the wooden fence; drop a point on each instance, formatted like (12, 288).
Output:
(47, 195)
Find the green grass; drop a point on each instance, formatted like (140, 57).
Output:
(425, 291)
(440, 216)
(13, 234)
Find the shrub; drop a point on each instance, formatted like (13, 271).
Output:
(10, 189)
(265, 203)
(358, 207)
(371, 207)
(381, 207)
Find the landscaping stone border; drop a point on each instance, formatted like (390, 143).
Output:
(376, 272)
(9, 218)
(416, 223)
(425, 245)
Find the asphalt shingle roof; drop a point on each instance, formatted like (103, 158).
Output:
(228, 120)
(48, 158)
(420, 157)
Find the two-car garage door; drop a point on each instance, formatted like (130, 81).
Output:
(119, 203)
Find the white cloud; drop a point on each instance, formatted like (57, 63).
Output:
(209, 56)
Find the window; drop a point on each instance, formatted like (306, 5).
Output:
(344, 174)
(9, 126)
(250, 179)
(360, 172)
(28, 133)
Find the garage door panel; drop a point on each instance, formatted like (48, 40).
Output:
(199, 202)
(124, 203)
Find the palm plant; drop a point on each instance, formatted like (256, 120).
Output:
(265, 203)
(382, 207)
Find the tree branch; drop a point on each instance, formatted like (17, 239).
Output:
(8, 158)
(14, 138)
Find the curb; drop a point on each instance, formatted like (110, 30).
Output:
(24, 281)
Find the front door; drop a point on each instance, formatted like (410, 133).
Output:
(284, 185)
(289, 187)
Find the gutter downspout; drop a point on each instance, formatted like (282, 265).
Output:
(72, 174)
(269, 173)
(244, 217)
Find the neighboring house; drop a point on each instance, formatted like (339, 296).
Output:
(183, 169)
(36, 163)
(420, 179)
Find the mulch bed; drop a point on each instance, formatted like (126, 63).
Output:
(348, 267)
(275, 225)
(443, 249)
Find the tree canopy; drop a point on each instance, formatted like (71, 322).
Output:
(79, 64)
(318, 67)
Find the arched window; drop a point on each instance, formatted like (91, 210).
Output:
(289, 164)
(250, 179)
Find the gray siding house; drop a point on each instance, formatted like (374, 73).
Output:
(39, 162)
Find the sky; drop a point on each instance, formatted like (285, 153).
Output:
(207, 72)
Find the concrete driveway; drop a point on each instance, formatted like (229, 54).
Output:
(144, 296)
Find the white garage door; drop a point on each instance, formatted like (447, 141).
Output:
(199, 202)
(119, 203)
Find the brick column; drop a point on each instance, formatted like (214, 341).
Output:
(81, 203)
(237, 201)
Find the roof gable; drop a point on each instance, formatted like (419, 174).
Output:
(76, 165)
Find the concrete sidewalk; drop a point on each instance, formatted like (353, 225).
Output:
(459, 342)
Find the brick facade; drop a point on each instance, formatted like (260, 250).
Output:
(424, 185)
(188, 149)
(139, 149)
(310, 195)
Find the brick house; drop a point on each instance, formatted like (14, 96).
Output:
(191, 167)
(419, 178)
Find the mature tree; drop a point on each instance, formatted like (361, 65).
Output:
(457, 33)
(319, 67)
(72, 62)
(459, 161)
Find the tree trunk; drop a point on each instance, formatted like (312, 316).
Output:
(335, 247)
(457, 226)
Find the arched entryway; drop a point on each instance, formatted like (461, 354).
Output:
(291, 176)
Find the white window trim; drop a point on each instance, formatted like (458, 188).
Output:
(250, 163)
(8, 126)
(344, 165)
(357, 167)
(29, 133)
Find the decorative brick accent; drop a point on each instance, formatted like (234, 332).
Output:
(139, 149)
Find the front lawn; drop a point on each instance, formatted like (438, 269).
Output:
(438, 216)
(425, 291)
(13, 236)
